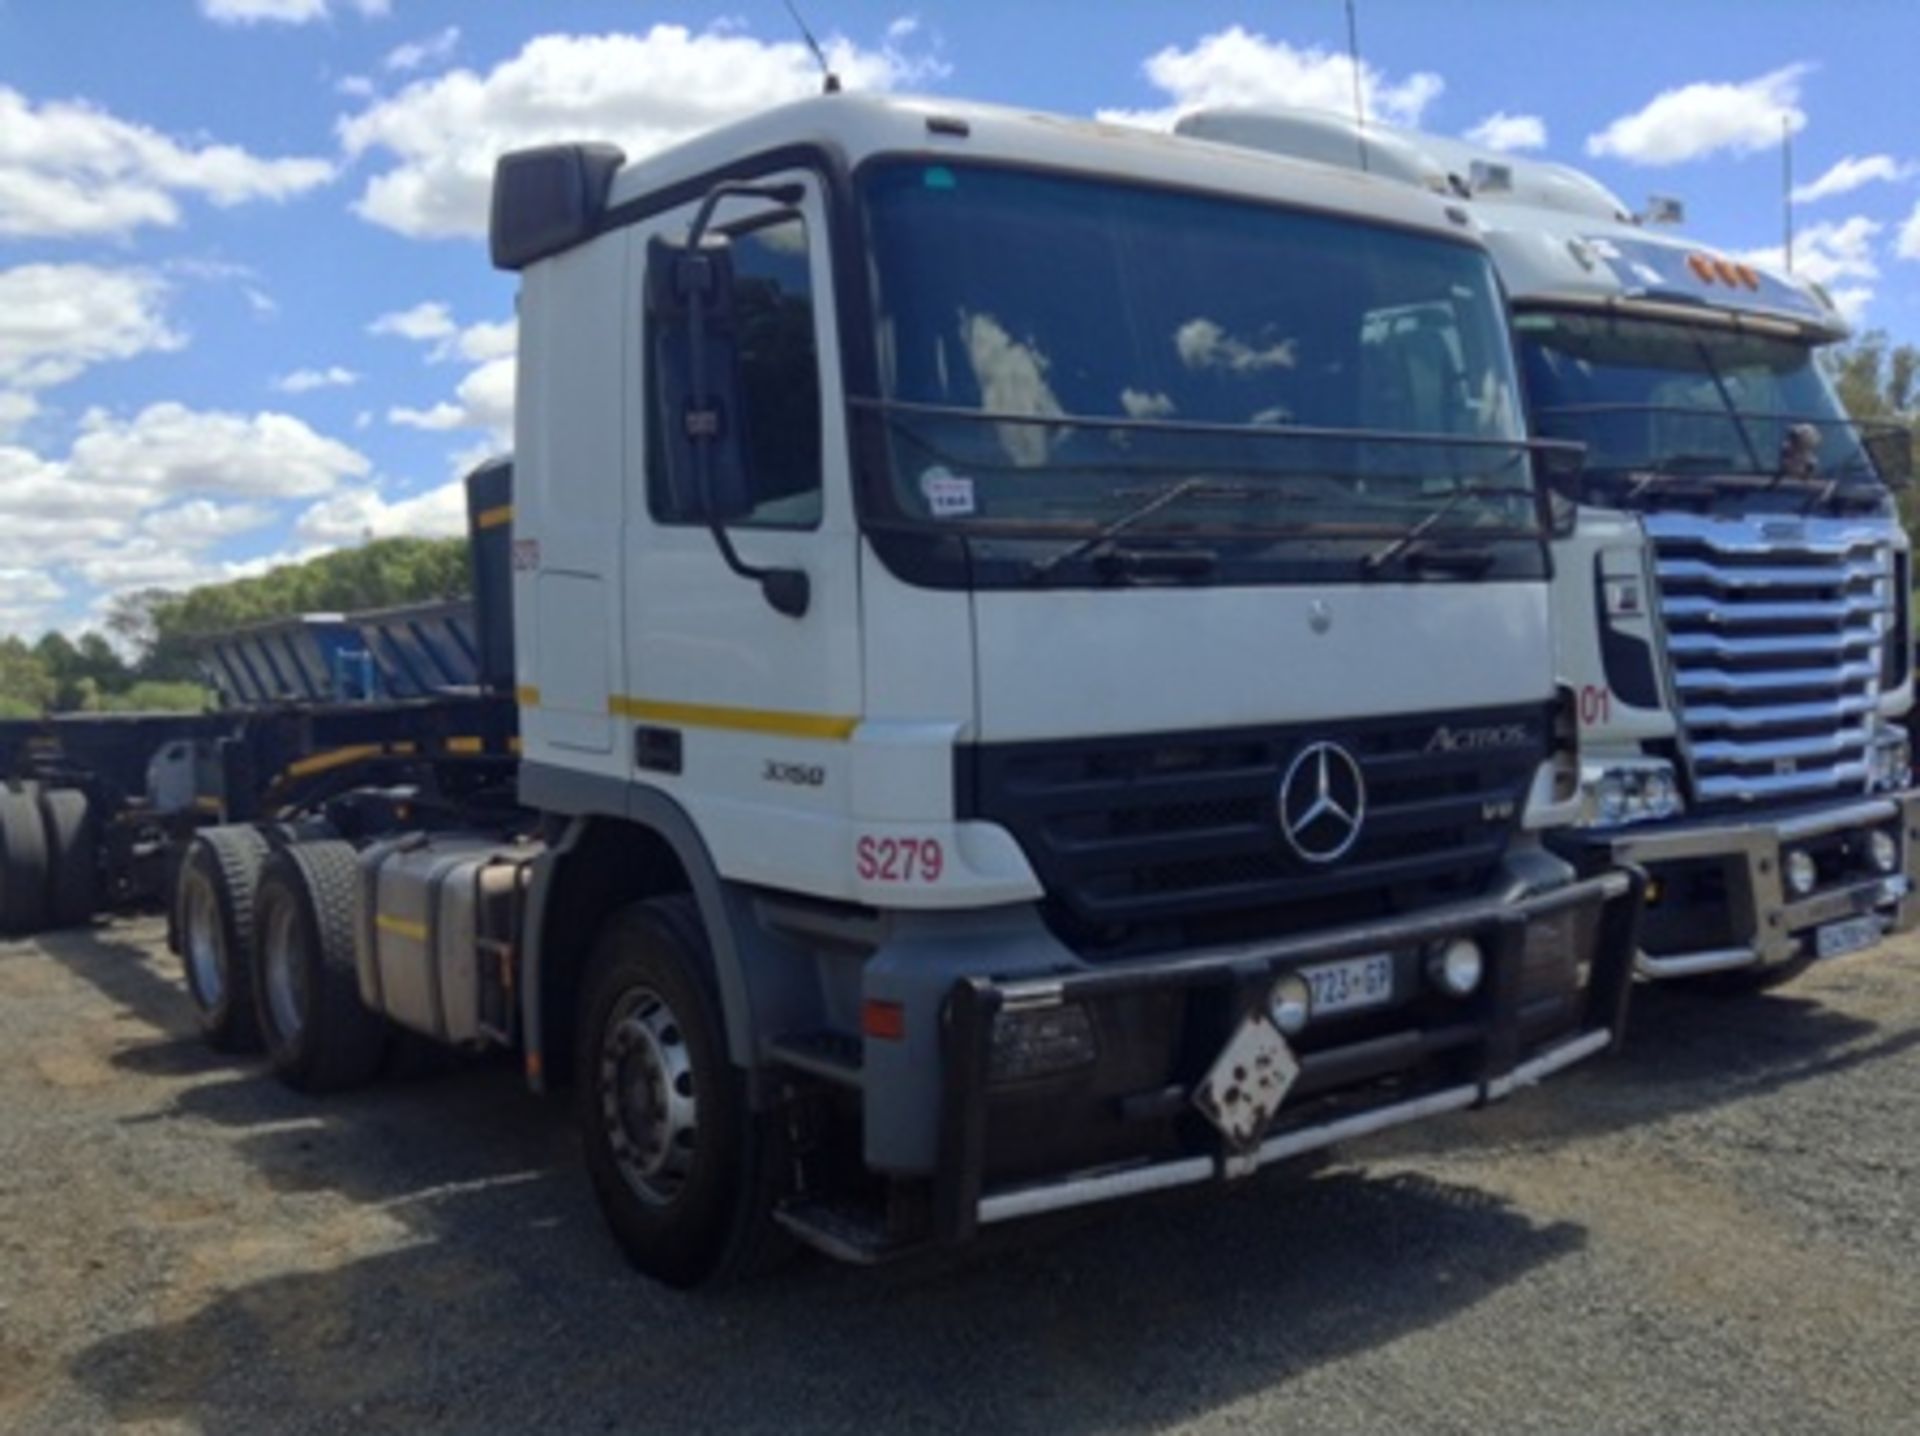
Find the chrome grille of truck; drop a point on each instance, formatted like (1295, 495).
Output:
(1774, 628)
(1170, 837)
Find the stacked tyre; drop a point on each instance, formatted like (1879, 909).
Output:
(49, 859)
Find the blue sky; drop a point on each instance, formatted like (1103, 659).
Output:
(245, 313)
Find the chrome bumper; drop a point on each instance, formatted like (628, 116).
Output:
(1768, 927)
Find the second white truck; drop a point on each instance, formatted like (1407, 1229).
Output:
(1731, 588)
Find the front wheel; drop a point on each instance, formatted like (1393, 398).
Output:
(214, 903)
(685, 1173)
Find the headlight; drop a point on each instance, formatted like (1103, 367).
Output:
(1630, 793)
(1890, 762)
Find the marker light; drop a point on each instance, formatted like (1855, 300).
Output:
(1290, 1004)
(1457, 967)
(1883, 849)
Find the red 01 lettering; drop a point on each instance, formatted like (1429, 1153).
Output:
(899, 860)
(1596, 705)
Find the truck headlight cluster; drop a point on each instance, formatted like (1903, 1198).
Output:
(1890, 762)
(1630, 793)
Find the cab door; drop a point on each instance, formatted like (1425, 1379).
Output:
(742, 713)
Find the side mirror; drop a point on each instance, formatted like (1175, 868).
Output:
(696, 364)
(1890, 448)
(696, 374)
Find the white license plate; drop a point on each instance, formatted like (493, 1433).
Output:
(1355, 983)
(1849, 936)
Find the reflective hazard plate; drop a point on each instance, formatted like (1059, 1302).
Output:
(1849, 936)
(1248, 1081)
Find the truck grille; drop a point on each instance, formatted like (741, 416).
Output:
(1774, 629)
(1167, 838)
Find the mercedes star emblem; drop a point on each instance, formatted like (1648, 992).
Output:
(1322, 800)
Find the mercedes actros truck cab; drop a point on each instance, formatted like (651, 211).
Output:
(1731, 588)
(1016, 707)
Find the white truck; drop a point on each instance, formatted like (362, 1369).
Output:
(1731, 576)
(1012, 713)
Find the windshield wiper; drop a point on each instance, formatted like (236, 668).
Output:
(1467, 557)
(1101, 537)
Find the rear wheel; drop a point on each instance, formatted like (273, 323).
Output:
(685, 1173)
(73, 852)
(23, 863)
(216, 916)
(319, 1036)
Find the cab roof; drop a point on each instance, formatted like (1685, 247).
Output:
(548, 200)
(1558, 235)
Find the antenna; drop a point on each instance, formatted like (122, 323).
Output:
(1786, 182)
(1359, 98)
(830, 83)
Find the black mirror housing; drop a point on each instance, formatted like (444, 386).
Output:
(698, 384)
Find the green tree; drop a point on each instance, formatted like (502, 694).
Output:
(27, 689)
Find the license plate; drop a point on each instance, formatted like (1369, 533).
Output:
(1346, 986)
(1849, 936)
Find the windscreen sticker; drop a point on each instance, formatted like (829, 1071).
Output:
(949, 496)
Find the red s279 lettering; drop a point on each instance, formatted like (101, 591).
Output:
(899, 860)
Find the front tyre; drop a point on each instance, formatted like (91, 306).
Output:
(685, 1173)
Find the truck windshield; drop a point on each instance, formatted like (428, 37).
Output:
(1059, 354)
(1656, 400)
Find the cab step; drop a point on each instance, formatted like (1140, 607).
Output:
(830, 1056)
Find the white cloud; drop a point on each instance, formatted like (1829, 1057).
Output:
(1706, 117)
(440, 416)
(56, 320)
(417, 53)
(1849, 174)
(357, 514)
(1907, 245)
(168, 448)
(139, 501)
(1852, 300)
(1203, 344)
(432, 323)
(283, 12)
(199, 522)
(428, 320)
(70, 169)
(1236, 66)
(303, 381)
(642, 92)
(1502, 131)
(15, 410)
(355, 87)
(1827, 252)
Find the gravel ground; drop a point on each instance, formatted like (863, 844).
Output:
(1718, 1229)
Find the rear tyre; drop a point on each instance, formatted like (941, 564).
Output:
(1747, 981)
(73, 892)
(685, 1173)
(215, 906)
(319, 1036)
(23, 864)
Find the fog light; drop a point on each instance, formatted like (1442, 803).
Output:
(1610, 798)
(1290, 1004)
(1456, 968)
(1883, 850)
(1801, 873)
(1038, 1041)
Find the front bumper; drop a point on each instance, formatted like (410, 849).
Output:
(1001, 1147)
(1717, 900)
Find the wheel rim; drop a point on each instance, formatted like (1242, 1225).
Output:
(648, 1099)
(205, 957)
(285, 972)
